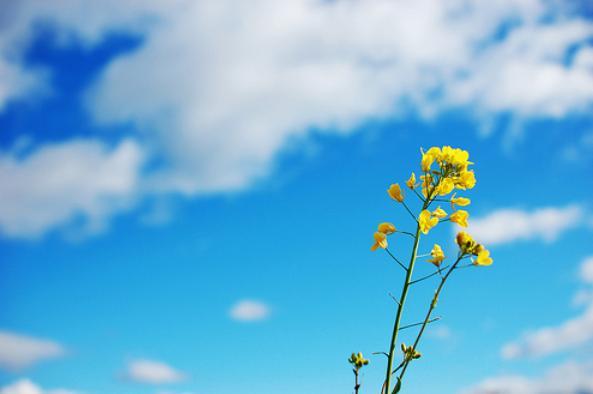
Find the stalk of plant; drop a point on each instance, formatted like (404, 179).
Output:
(443, 170)
(357, 361)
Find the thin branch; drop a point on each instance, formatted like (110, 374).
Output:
(405, 232)
(429, 276)
(396, 260)
(383, 353)
(419, 196)
(421, 323)
(394, 299)
(410, 212)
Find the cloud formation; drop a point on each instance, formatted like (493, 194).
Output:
(249, 311)
(567, 378)
(152, 372)
(510, 225)
(25, 386)
(58, 184)
(565, 336)
(219, 89)
(20, 351)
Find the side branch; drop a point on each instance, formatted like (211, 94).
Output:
(396, 260)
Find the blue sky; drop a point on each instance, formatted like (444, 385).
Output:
(189, 191)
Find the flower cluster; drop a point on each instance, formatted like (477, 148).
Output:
(468, 246)
(444, 170)
(357, 360)
(410, 353)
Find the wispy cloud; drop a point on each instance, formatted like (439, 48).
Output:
(249, 310)
(567, 335)
(510, 225)
(25, 386)
(567, 378)
(19, 351)
(152, 372)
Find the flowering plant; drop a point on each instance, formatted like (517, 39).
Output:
(443, 171)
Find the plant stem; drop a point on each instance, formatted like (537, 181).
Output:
(402, 300)
(356, 384)
(431, 308)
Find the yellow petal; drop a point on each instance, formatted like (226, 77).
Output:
(484, 258)
(460, 217)
(395, 192)
(386, 228)
(439, 213)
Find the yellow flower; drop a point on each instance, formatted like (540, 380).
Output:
(439, 213)
(466, 180)
(446, 186)
(460, 217)
(411, 182)
(484, 258)
(447, 154)
(426, 221)
(380, 241)
(461, 201)
(437, 255)
(386, 228)
(429, 157)
(426, 184)
(395, 192)
(467, 244)
(461, 159)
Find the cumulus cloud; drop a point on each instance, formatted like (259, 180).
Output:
(568, 335)
(249, 310)
(152, 372)
(567, 378)
(59, 184)
(20, 351)
(509, 225)
(218, 89)
(25, 386)
(233, 94)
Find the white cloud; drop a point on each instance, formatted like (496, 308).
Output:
(152, 372)
(568, 335)
(586, 271)
(234, 94)
(19, 351)
(548, 340)
(218, 89)
(249, 310)
(567, 378)
(441, 332)
(60, 184)
(509, 225)
(25, 386)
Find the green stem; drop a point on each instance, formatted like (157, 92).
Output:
(431, 308)
(402, 300)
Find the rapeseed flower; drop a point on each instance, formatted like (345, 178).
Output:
(459, 217)
(426, 221)
(386, 228)
(461, 201)
(439, 213)
(437, 255)
(411, 182)
(483, 258)
(395, 192)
